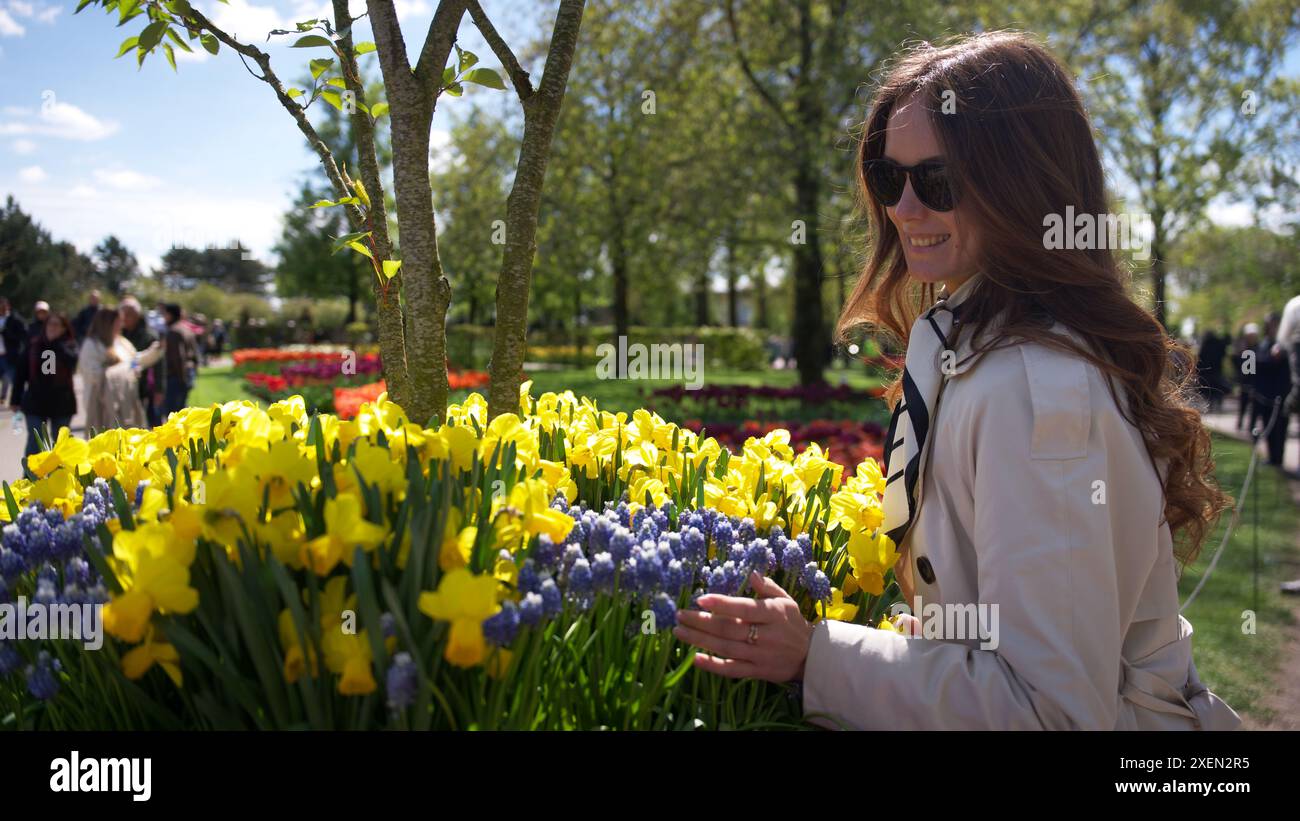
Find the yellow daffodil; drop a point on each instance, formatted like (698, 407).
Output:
(68, 451)
(345, 530)
(139, 659)
(465, 600)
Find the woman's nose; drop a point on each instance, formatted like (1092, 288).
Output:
(909, 207)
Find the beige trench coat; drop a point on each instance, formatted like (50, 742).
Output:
(111, 390)
(1041, 499)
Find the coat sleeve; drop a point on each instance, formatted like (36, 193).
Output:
(1045, 553)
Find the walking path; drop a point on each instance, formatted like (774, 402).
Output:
(14, 441)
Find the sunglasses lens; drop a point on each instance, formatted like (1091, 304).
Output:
(886, 182)
(932, 188)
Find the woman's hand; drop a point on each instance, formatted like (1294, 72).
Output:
(722, 626)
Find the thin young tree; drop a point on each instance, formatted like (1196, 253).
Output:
(412, 328)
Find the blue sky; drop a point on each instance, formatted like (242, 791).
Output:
(91, 146)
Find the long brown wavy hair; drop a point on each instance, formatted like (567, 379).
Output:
(1019, 146)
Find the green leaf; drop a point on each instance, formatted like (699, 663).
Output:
(363, 48)
(11, 503)
(455, 89)
(378, 110)
(341, 242)
(333, 98)
(211, 43)
(292, 94)
(128, 44)
(152, 34)
(360, 248)
(337, 82)
(127, 9)
(320, 66)
(176, 38)
(171, 54)
(391, 268)
(485, 77)
(467, 59)
(313, 41)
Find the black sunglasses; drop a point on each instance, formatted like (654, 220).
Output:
(886, 180)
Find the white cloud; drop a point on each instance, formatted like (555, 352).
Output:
(126, 180)
(24, 146)
(250, 22)
(12, 11)
(151, 222)
(9, 27)
(418, 9)
(33, 174)
(55, 119)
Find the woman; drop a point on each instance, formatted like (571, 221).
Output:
(110, 370)
(43, 383)
(1047, 486)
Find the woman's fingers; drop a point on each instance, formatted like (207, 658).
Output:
(765, 587)
(734, 606)
(731, 668)
(722, 626)
(716, 645)
(907, 624)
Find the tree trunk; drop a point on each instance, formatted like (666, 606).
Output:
(733, 298)
(702, 297)
(618, 262)
(1158, 266)
(808, 327)
(388, 314)
(541, 111)
(411, 97)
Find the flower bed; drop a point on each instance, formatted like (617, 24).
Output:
(739, 404)
(273, 569)
(321, 378)
(846, 442)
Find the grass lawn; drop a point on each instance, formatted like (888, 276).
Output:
(1239, 666)
(216, 386)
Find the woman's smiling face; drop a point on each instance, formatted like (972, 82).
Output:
(933, 245)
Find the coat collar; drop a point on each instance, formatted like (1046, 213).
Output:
(964, 350)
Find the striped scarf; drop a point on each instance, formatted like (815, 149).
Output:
(923, 376)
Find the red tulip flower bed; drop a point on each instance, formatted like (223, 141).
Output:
(843, 441)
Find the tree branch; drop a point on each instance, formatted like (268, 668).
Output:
(298, 113)
(748, 71)
(522, 82)
(437, 44)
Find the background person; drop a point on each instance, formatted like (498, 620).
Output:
(1272, 382)
(1245, 343)
(43, 387)
(81, 322)
(12, 333)
(110, 367)
(181, 361)
(40, 312)
(150, 379)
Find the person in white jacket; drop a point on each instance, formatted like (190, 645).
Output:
(1044, 468)
(110, 371)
